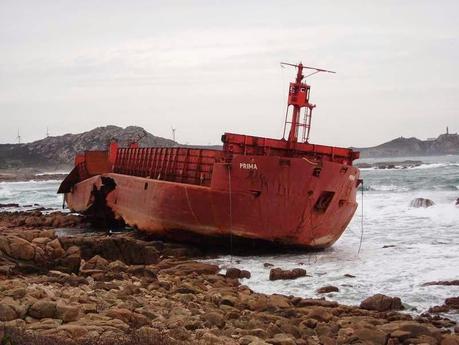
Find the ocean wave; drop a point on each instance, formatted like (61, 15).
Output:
(418, 167)
(386, 188)
(52, 173)
(434, 165)
(29, 181)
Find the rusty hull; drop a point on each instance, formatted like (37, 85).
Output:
(279, 199)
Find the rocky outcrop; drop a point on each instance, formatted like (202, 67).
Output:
(278, 273)
(409, 147)
(443, 282)
(113, 296)
(236, 273)
(327, 289)
(39, 220)
(381, 302)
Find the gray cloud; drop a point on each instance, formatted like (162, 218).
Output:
(208, 66)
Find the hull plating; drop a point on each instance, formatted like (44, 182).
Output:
(292, 201)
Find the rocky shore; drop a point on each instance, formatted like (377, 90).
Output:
(75, 287)
(30, 174)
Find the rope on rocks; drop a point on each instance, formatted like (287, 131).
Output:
(361, 225)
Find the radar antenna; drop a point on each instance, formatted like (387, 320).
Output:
(298, 97)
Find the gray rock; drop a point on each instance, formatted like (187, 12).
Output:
(421, 202)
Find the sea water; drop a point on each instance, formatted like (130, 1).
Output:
(401, 247)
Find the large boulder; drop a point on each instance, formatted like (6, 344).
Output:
(43, 309)
(421, 202)
(278, 273)
(452, 302)
(71, 260)
(54, 249)
(95, 263)
(236, 273)
(67, 312)
(186, 268)
(17, 247)
(7, 312)
(381, 302)
(327, 289)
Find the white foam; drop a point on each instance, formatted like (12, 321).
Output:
(52, 173)
(422, 244)
(388, 188)
(43, 193)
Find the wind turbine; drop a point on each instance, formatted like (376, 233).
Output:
(173, 132)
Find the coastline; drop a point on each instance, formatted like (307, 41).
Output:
(80, 286)
(27, 174)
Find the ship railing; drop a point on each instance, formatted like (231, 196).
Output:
(186, 165)
(251, 145)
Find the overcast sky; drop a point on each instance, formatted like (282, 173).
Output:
(206, 67)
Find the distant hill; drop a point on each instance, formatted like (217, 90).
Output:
(53, 153)
(405, 147)
(59, 151)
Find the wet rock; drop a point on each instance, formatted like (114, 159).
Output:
(438, 309)
(124, 248)
(443, 282)
(381, 302)
(278, 273)
(421, 202)
(191, 267)
(9, 205)
(452, 302)
(236, 273)
(347, 275)
(327, 289)
(267, 265)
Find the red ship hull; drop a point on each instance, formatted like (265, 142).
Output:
(300, 201)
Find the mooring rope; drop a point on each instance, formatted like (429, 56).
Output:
(361, 224)
(230, 214)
